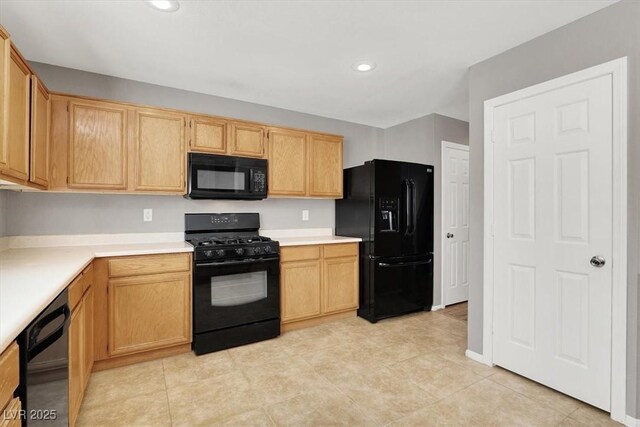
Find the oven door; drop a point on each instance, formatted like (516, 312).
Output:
(236, 292)
(224, 177)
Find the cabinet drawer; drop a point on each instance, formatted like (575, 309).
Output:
(339, 250)
(148, 264)
(9, 373)
(76, 289)
(11, 415)
(299, 253)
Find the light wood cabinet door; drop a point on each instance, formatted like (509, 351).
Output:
(19, 111)
(208, 134)
(97, 145)
(40, 113)
(76, 362)
(325, 166)
(339, 284)
(246, 140)
(148, 312)
(88, 352)
(160, 151)
(300, 288)
(11, 414)
(5, 50)
(287, 162)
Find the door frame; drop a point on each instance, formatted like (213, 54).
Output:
(618, 71)
(454, 146)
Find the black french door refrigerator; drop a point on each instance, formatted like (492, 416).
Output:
(389, 205)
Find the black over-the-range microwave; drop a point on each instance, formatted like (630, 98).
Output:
(224, 177)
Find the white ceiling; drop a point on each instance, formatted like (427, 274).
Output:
(292, 54)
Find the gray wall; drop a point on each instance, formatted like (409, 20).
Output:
(88, 214)
(420, 141)
(3, 213)
(608, 34)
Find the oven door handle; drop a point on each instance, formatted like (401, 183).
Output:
(245, 261)
(36, 347)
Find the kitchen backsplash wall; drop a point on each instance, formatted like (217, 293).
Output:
(3, 213)
(58, 213)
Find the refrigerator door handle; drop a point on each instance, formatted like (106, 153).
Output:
(413, 206)
(404, 264)
(407, 206)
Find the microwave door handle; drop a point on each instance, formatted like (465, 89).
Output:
(251, 186)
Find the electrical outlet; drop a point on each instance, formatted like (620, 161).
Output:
(305, 215)
(147, 215)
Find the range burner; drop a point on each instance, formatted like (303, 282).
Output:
(227, 236)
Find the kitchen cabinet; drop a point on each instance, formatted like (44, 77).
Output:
(76, 362)
(287, 154)
(5, 50)
(16, 135)
(208, 134)
(97, 145)
(303, 164)
(160, 151)
(142, 308)
(81, 339)
(9, 380)
(246, 139)
(300, 289)
(149, 312)
(325, 166)
(40, 113)
(318, 283)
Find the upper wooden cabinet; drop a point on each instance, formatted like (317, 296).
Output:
(18, 110)
(325, 166)
(160, 151)
(208, 134)
(40, 109)
(304, 164)
(246, 139)
(97, 145)
(287, 162)
(5, 49)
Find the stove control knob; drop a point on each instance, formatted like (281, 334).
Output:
(220, 252)
(257, 249)
(239, 251)
(208, 254)
(267, 249)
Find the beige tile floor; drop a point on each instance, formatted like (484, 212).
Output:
(408, 371)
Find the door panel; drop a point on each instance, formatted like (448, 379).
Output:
(97, 145)
(287, 163)
(300, 282)
(40, 107)
(389, 195)
(402, 285)
(208, 135)
(5, 51)
(455, 230)
(160, 151)
(340, 284)
(17, 131)
(247, 140)
(418, 239)
(325, 166)
(552, 213)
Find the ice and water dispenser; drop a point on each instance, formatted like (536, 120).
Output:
(388, 212)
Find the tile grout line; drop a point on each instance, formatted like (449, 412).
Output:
(531, 397)
(166, 391)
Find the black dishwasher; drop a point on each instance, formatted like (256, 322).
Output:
(44, 366)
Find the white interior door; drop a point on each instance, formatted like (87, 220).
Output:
(455, 222)
(552, 215)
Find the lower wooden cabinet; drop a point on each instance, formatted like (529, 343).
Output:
(149, 312)
(81, 333)
(142, 308)
(317, 281)
(9, 380)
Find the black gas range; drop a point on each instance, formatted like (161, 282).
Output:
(236, 281)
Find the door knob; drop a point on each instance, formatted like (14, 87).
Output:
(597, 261)
(449, 235)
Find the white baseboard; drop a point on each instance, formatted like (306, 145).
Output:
(631, 422)
(476, 357)
(437, 307)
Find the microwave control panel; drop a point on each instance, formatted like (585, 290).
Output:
(259, 182)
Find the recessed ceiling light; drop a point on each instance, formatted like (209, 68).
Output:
(364, 66)
(164, 5)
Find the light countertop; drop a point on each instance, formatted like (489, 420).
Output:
(315, 240)
(31, 278)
